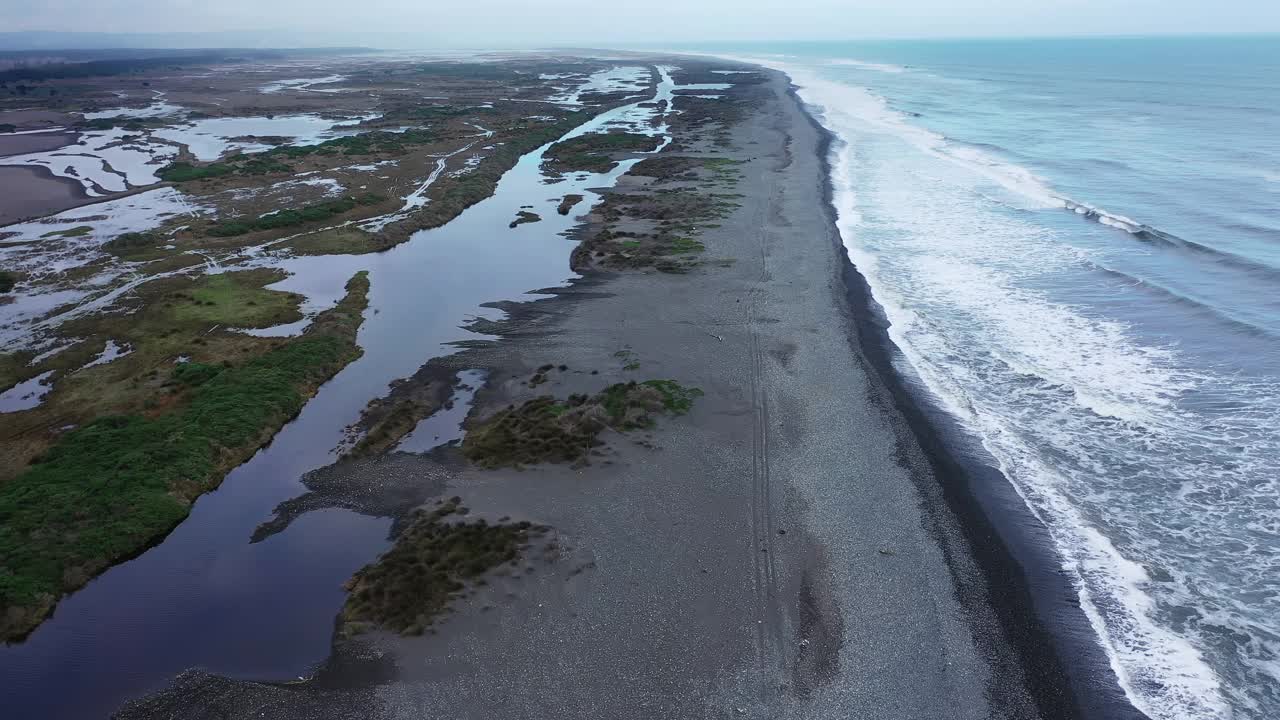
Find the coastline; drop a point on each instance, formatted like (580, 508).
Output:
(782, 551)
(624, 438)
(974, 504)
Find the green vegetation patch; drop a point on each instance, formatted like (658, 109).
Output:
(163, 319)
(79, 231)
(591, 152)
(106, 489)
(347, 240)
(666, 166)
(470, 71)
(273, 161)
(315, 212)
(7, 281)
(545, 429)
(679, 215)
(131, 243)
(180, 172)
(671, 168)
(241, 164)
(685, 246)
(236, 299)
(428, 113)
(676, 398)
(432, 561)
(367, 143)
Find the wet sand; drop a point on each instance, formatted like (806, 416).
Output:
(780, 552)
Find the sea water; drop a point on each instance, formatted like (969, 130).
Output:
(1077, 243)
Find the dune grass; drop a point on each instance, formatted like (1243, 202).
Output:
(546, 429)
(432, 561)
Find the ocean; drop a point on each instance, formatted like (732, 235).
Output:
(1077, 246)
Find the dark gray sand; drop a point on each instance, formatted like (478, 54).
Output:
(770, 555)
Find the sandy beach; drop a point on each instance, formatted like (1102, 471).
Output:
(783, 550)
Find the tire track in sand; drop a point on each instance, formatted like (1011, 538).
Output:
(769, 642)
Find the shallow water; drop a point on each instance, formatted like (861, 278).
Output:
(32, 251)
(302, 84)
(103, 161)
(111, 352)
(26, 395)
(1075, 243)
(619, 78)
(211, 138)
(159, 108)
(445, 425)
(205, 597)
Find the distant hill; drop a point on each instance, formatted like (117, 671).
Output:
(37, 65)
(264, 39)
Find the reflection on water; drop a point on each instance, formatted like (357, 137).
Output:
(207, 598)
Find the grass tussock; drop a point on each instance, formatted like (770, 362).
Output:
(545, 429)
(432, 561)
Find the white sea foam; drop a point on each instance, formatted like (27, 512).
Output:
(859, 104)
(1080, 416)
(855, 101)
(879, 67)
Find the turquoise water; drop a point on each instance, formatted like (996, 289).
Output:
(1077, 243)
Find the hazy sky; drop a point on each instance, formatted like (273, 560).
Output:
(540, 22)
